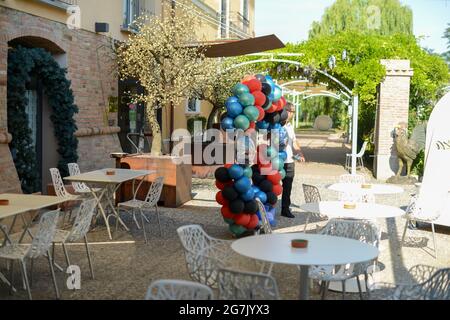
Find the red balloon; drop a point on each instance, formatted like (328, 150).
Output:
(254, 85)
(279, 105)
(272, 109)
(260, 98)
(283, 101)
(228, 165)
(254, 220)
(278, 190)
(247, 78)
(222, 185)
(262, 113)
(242, 219)
(252, 125)
(220, 199)
(226, 213)
(274, 178)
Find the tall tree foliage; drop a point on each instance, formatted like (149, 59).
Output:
(385, 17)
(446, 36)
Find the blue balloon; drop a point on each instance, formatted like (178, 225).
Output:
(270, 214)
(255, 189)
(283, 155)
(243, 185)
(271, 82)
(249, 195)
(262, 196)
(235, 171)
(234, 109)
(227, 123)
(277, 93)
(275, 126)
(262, 125)
(232, 99)
(271, 97)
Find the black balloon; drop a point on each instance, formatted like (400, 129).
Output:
(229, 193)
(255, 167)
(237, 206)
(266, 89)
(273, 117)
(266, 186)
(257, 178)
(250, 207)
(261, 78)
(272, 198)
(221, 175)
(266, 104)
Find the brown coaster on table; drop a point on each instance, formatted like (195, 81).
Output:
(349, 206)
(110, 172)
(4, 202)
(299, 243)
(366, 186)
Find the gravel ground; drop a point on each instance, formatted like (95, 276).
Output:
(126, 266)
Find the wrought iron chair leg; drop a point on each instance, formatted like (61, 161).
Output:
(11, 277)
(434, 241)
(366, 281)
(307, 221)
(404, 231)
(159, 221)
(66, 254)
(31, 272)
(52, 271)
(25, 277)
(86, 244)
(143, 227)
(359, 288)
(343, 290)
(325, 289)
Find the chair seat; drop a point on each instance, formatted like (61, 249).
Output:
(87, 190)
(134, 203)
(325, 273)
(14, 251)
(61, 235)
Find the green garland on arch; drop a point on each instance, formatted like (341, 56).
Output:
(22, 63)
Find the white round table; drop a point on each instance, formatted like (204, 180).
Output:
(356, 188)
(321, 250)
(335, 209)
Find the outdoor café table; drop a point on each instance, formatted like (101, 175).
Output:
(356, 188)
(110, 184)
(321, 250)
(19, 204)
(335, 209)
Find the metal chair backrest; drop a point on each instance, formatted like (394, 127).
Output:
(194, 238)
(438, 286)
(83, 220)
(178, 290)
(352, 178)
(361, 230)
(363, 149)
(238, 285)
(45, 234)
(74, 170)
(58, 184)
(154, 192)
(311, 193)
(265, 223)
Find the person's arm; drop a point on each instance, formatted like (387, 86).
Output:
(297, 150)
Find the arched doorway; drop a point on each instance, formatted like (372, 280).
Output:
(40, 111)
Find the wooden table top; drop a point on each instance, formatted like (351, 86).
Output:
(20, 203)
(100, 176)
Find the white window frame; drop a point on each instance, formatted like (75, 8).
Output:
(198, 105)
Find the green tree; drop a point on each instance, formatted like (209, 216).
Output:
(384, 17)
(446, 54)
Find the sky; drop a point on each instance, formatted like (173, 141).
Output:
(291, 20)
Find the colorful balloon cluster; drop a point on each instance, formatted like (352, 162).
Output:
(257, 104)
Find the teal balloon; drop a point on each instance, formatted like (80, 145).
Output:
(283, 173)
(229, 221)
(277, 93)
(272, 152)
(281, 166)
(252, 113)
(240, 89)
(276, 162)
(248, 172)
(237, 229)
(247, 99)
(242, 122)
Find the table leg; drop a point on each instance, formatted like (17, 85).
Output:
(115, 213)
(99, 206)
(304, 283)
(8, 239)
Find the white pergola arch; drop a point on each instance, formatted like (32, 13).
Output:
(353, 100)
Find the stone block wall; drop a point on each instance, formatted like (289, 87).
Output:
(393, 108)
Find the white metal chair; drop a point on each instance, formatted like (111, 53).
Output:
(150, 202)
(79, 231)
(352, 178)
(265, 227)
(79, 187)
(364, 231)
(61, 191)
(414, 212)
(359, 157)
(204, 254)
(178, 290)
(238, 285)
(430, 283)
(312, 194)
(39, 247)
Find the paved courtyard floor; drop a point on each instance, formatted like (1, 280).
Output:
(126, 266)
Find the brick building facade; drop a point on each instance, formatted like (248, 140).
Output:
(87, 57)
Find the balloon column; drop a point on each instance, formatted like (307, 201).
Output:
(257, 104)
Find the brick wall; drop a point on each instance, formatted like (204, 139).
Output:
(393, 108)
(91, 68)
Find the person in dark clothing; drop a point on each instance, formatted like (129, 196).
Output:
(294, 153)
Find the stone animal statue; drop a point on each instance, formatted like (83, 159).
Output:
(408, 149)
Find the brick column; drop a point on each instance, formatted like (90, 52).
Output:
(393, 108)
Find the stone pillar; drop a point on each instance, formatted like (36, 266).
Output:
(393, 108)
